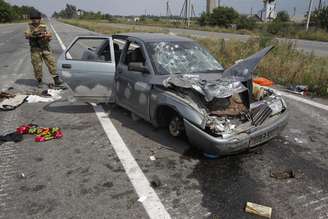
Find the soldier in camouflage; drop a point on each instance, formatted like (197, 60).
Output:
(39, 39)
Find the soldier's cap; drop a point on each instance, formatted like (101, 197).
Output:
(35, 15)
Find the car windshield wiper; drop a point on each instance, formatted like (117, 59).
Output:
(210, 71)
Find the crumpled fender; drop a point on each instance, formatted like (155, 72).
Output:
(183, 107)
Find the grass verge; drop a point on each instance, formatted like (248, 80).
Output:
(284, 65)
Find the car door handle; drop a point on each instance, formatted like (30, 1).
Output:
(67, 66)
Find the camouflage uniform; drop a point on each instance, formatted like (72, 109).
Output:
(39, 40)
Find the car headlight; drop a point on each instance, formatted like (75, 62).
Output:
(276, 107)
(284, 103)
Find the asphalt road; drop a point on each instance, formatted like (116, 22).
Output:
(80, 176)
(318, 48)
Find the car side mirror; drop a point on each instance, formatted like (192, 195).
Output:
(138, 66)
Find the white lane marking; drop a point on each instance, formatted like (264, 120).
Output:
(62, 45)
(152, 204)
(303, 100)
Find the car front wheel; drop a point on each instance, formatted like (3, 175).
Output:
(176, 126)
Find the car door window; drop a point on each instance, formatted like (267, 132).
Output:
(89, 49)
(119, 45)
(134, 54)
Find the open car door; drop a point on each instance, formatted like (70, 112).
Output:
(88, 68)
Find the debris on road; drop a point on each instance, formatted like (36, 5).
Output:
(155, 182)
(298, 141)
(142, 199)
(50, 96)
(108, 184)
(12, 102)
(42, 134)
(282, 174)
(11, 137)
(298, 89)
(6, 95)
(21, 176)
(259, 210)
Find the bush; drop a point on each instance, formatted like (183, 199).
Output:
(70, 11)
(283, 16)
(204, 18)
(10, 13)
(221, 16)
(320, 18)
(248, 23)
(279, 28)
(6, 12)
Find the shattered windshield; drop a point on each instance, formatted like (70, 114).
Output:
(182, 58)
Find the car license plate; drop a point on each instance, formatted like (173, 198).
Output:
(262, 138)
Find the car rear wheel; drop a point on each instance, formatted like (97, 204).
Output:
(176, 126)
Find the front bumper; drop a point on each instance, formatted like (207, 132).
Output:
(219, 146)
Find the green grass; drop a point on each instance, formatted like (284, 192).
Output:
(293, 30)
(284, 65)
(317, 35)
(105, 28)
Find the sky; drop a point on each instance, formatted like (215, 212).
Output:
(158, 7)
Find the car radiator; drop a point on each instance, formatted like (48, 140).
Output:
(259, 114)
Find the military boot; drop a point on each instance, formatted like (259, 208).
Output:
(58, 81)
(39, 85)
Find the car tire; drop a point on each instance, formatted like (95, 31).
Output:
(176, 126)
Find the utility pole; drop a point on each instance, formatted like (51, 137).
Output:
(193, 12)
(186, 11)
(320, 4)
(309, 15)
(294, 12)
(168, 10)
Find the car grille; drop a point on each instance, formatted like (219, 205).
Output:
(260, 114)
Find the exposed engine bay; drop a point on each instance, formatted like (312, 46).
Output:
(228, 107)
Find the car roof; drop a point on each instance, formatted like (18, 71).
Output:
(154, 37)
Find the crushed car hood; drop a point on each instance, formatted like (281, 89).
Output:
(218, 85)
(209, 89)
(242, 71)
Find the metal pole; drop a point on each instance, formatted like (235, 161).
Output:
(309, 15)
(188, 10)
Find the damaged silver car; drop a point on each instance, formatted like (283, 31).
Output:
(175, 83)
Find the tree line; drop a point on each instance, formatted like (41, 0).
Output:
(71, 11)
(9, 13)
(227, 16)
